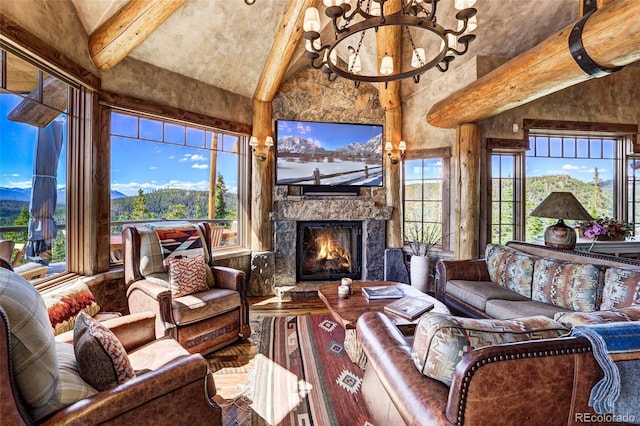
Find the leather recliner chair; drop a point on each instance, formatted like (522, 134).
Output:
(201, 322)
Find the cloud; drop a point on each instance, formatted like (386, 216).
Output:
(152, 168)
(192, 157)
(172, 157)
(570, 167)
(18, 184)
(132, 188)
(200, 166)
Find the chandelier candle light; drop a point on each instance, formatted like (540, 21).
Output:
(253, 143)
(343, 55)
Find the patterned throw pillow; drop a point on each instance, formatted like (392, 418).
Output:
(510, 268)
(63, 304)
(621, 288)
(570, 319)
(187, 275)
(441, 340)
(568, 285)
(102, 360)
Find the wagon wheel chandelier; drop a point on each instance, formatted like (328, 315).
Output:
(352, 23)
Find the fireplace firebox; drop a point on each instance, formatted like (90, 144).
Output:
(329, 250)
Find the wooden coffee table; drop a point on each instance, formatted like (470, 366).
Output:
(347, 311)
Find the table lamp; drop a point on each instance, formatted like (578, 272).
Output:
(561, 206)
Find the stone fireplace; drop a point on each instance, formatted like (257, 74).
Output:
(290, 212)
(328, 250)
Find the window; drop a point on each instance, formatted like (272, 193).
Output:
(596, 166)
(34, 123)
(426, 194)
(165, 169)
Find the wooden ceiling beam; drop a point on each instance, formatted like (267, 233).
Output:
(282, 50)
(127, 29)
(611, 37)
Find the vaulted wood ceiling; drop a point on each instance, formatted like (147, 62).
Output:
(225, 43)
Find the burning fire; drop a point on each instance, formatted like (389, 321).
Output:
(329, 250)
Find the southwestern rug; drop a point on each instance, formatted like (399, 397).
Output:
(297, 373)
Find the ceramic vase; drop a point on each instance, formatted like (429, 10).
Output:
(419, 268)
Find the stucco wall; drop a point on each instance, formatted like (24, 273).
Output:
(56, 23)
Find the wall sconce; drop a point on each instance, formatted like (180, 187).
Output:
(253, 143)
(402, 147)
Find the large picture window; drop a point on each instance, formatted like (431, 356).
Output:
(426, 194)
(597, 167)
(167, 170)
(34, 123)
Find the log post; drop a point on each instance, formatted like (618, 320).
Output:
(611, 38)
(388, 40)
(467, 210)
(127, 29)
(261, 179)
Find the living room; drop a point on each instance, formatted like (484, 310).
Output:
(469, 126)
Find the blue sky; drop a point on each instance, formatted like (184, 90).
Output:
(17, 149)
(328, 135)
(137, 164)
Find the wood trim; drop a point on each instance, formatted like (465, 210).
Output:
(127, 29)
(15, 39)
(611, 37)
(418, 154)
(580, 126)
(132, 104)
(515, 144)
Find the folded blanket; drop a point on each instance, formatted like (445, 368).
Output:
(177, 239)
(616, 347)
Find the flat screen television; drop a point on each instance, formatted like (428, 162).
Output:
(328, 154)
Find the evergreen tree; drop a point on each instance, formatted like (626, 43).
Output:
(221, 204)
(598, 199)
(198, 208)
(21, 220)
(177, 211)
(140, 209)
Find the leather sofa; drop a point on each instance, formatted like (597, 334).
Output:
(467, 288)
(202, 322)
(170, 385)
(541, 382)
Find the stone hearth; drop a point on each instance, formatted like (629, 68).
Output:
(288, 210)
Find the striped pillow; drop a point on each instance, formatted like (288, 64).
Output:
(568, 285)
(63, 304)
(621, 288)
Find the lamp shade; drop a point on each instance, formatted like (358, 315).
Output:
(561, 205)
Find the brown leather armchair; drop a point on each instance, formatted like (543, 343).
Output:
(201, 322)
(169, 388)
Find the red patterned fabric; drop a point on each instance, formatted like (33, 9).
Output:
(63, 304)
(187, 276)
(178, 240)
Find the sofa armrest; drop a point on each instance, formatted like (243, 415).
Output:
(173, 394)
(526, 382)
(416, 397)
(469, 270)
(133, 330)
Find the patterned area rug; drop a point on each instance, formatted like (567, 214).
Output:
(299, 375)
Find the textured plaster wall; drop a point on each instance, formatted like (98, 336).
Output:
(611, 99)
(54, 22)
(145, 81)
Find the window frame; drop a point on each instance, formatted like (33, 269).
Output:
(429, 154)
(111, 102)
(626, 134)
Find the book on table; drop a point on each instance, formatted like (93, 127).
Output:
(409, 307)
(382, 292)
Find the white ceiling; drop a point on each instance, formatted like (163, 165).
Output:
(225, 43)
